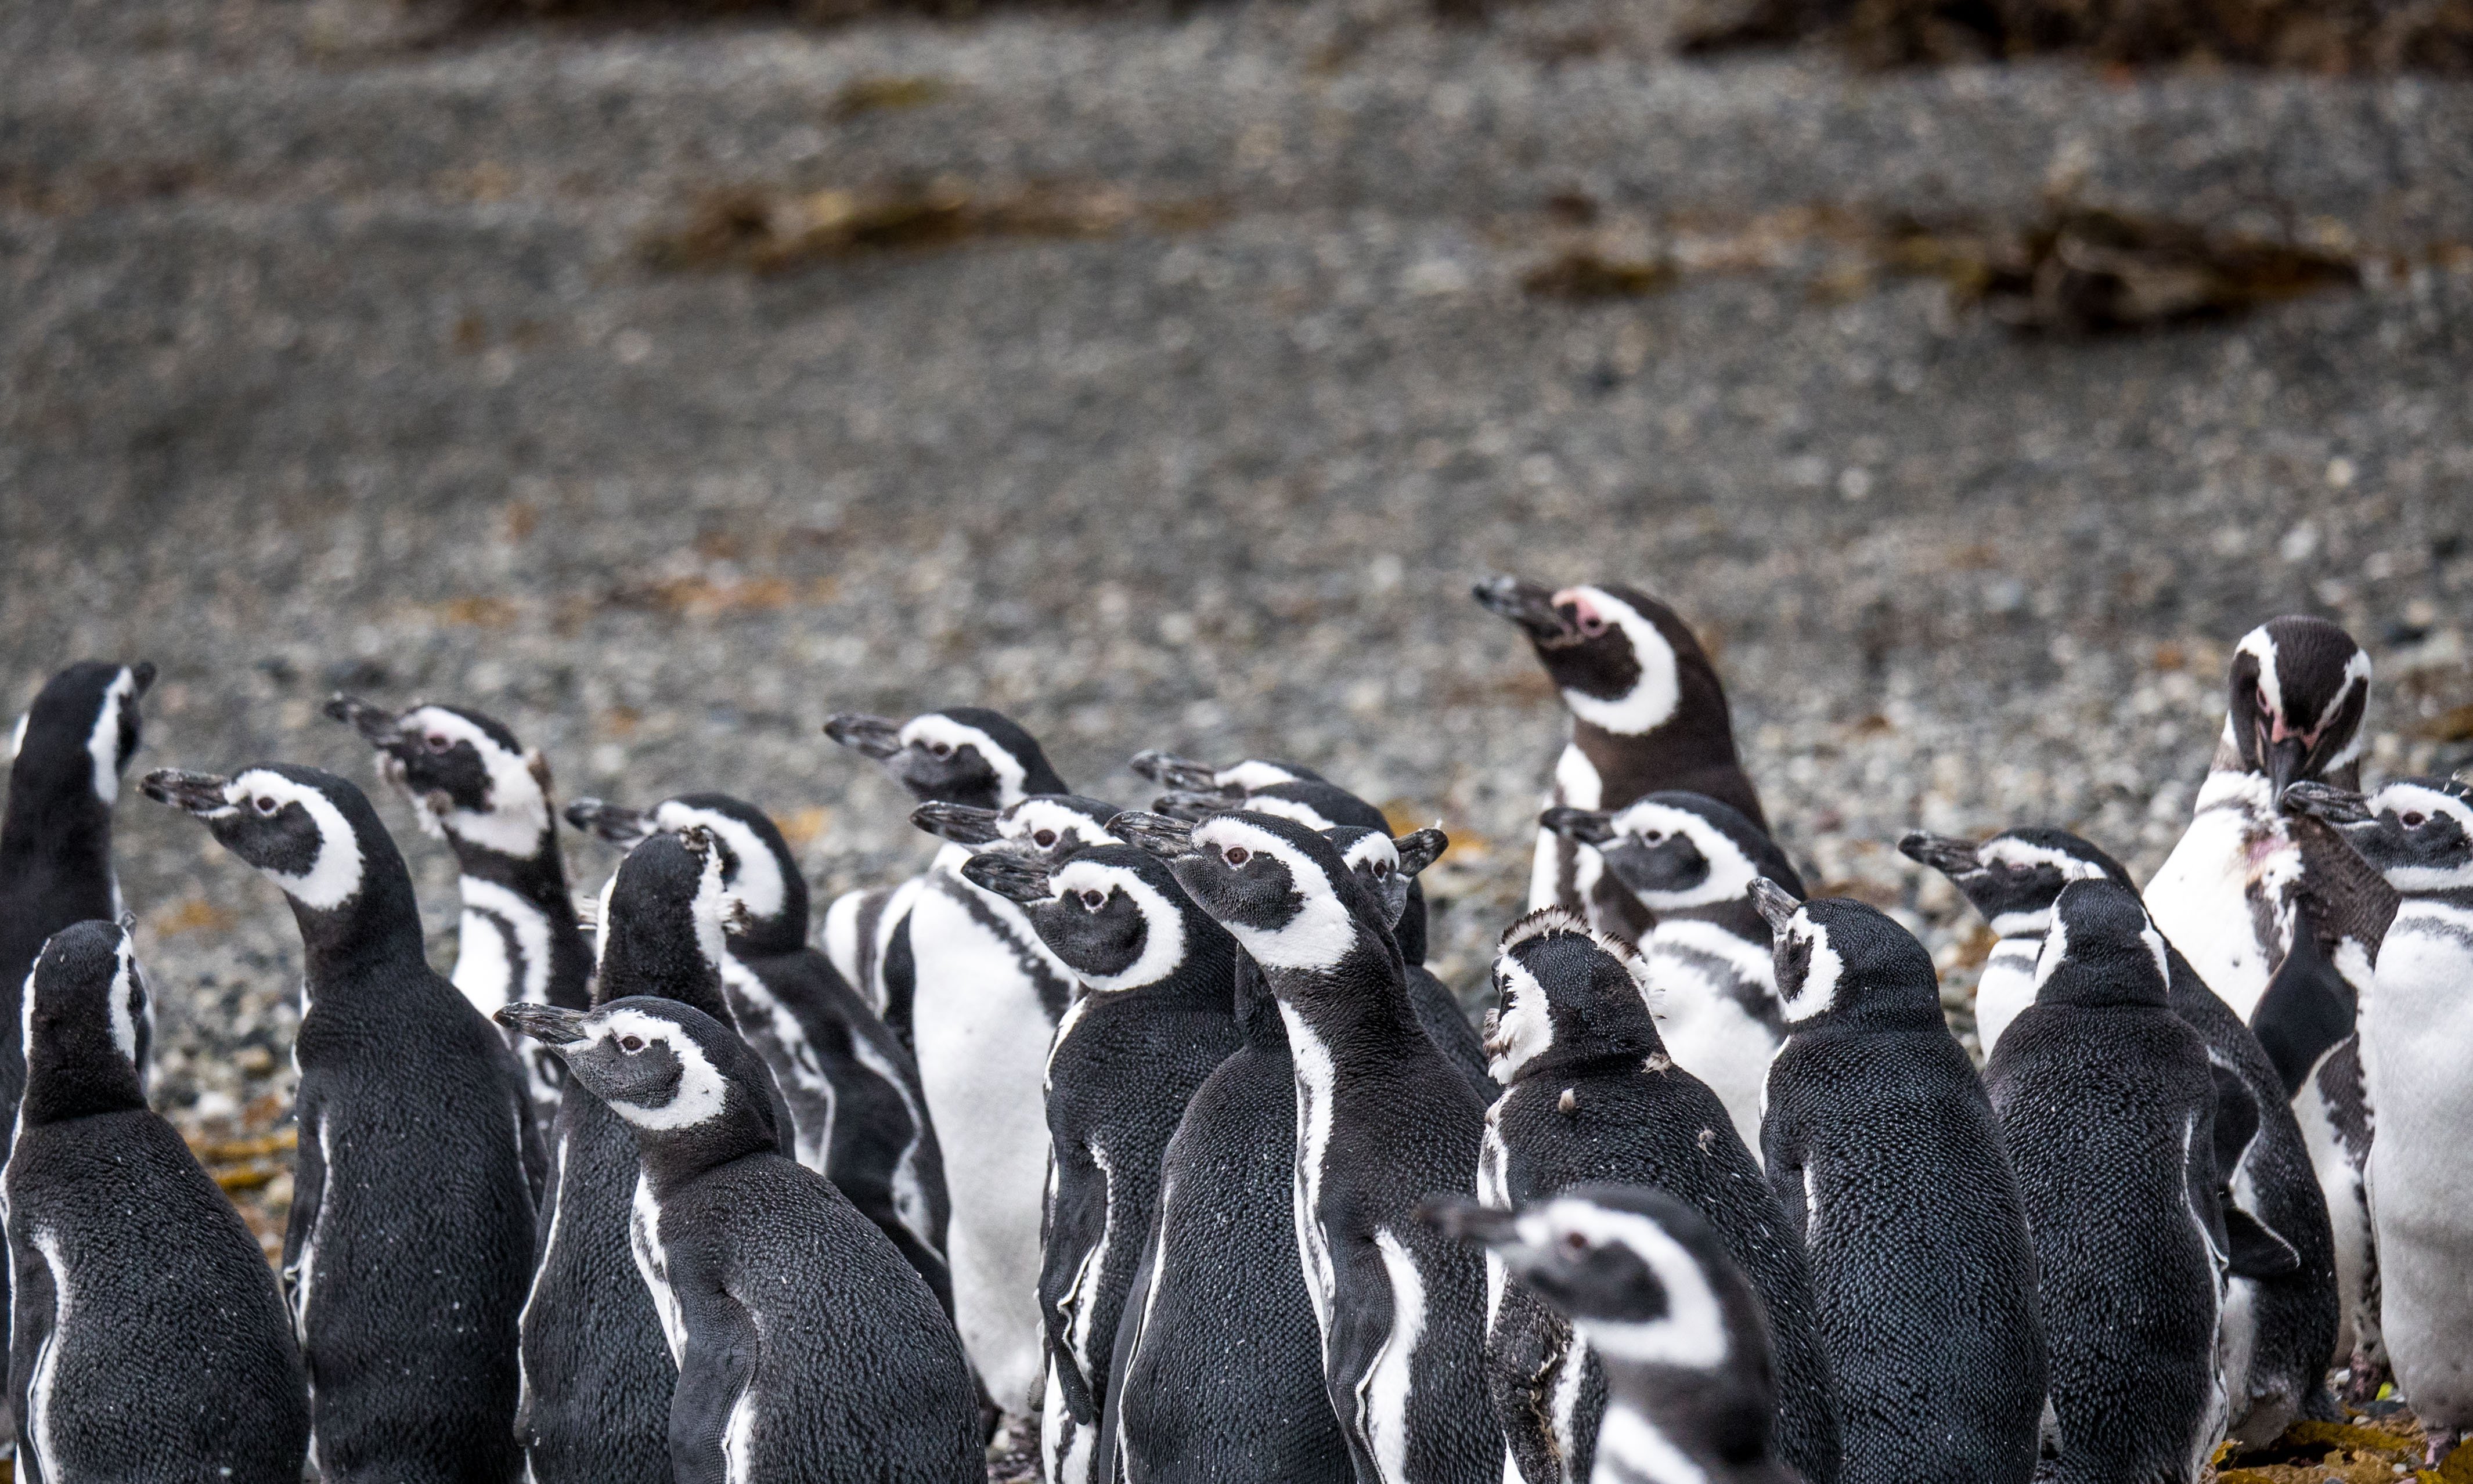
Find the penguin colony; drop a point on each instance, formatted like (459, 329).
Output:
(1151, 1126)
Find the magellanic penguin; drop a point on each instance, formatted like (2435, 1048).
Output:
(1154, 1020)
(1590, 1093)
(859, 1115)
(1688, 860)
(2115, 1121)
(597, 1370)
(1291, 793)
(1885, 1154)
(411, 1235)
(150, 1341)
(980, 996)
(1647, 714)
(1382, 1122)
(2417, 1033)
(807, 1349)
(471, 782)
(1654, 1292)
(2277, 1334)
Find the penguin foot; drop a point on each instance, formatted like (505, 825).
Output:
(2437, 1443)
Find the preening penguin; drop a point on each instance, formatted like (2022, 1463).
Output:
(1154, 1020)
(2277, 1332)
(1647, 714)
(1654, 1293)
(1591, 1095)
(859, 1112)
(1887, 1157)
(404, 1285)
(808, 1351)
(149, 1341)
(1383, 1121)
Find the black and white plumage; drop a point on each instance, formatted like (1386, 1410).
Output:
(1688, 860)
(1382, 1122)
(2116, 1124)
(1887, 1157)
(1647, 714)
(149, 1341)
(411, 1234)
(2417, 1033)
(1155, 1019)
(471, 783)
(2276, 1333)
(1653, 1290)
(806, 1348)
(1591, 1095)
(858, 1113)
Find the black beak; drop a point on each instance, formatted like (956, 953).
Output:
(142, 676)
(2324, 802)
(1469, 1221)
(1775, 904)
(1945, 853)
(1194, 805)
(2285, 761)
(198, 793)
(872, 735)
(1169, 771)
(548, 1025)
(1589, 826)
(1528, 605)
(1009, 876)
(615, 823)
(1418, 848)
(960, 823)
(378, 728)
(1163, 837)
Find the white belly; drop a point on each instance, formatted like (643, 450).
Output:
(2416, 1041)
(1709, 1035)
(2201, 897)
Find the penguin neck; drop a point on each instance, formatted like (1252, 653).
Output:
(783, 932)
(1256, 1010)
(1359, 1007)
(1204, 984)
(58, 1089)
(1581, 1048)
(686, 979)
(1038, 777)
(1693, 749)
(1736, 917)
(1875, 1017)
(538, 878)
(56, 830)
(672, 1159)
(378, 928)
(1409, 932)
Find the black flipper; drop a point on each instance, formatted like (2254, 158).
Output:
(2256, 1251)
(2307, 1009)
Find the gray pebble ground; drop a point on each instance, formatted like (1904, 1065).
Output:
(328, 358)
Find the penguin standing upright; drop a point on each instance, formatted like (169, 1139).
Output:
(471, 781)
(1653, 1289)
(597, 1370)
(1647, 714)
(1154, 1020)
(148, 1340)
(981, 1000)
(1382, 1122)
(2115, 1122)
(411, 1234)
(2276, 1333)
(807, 1349)
(1887, 1156)
(859, 1116)
(1590, 1095)
(1687, 861)
(2417, 1031)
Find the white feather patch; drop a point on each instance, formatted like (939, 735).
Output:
(1163, 936)
(334, 877)
(1652, 698)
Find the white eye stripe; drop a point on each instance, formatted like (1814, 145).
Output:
(1373, 850)
(1525, 1029)
(1818, 995)
(1289, 809)
(334, 877)
(762, 887)
(518, 812)
(1729, 870)
(1321, 932)
(1691, 1334)
(102, 743)
(1653, 696)
(1033, 815)
(1163, 938)
(933, 728)
(2019, 854)
(701, 1090)
(1253, 775)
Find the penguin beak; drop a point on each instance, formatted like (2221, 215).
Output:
(201, 794)
(1530, 605)
(2325, 801)
(141, 675)
(549, 1024)
(1774, 903)
(1194, 805)
(1009, 876)
(2286, 757)
(1171, 772)
(960, 823)
(1945, 853)
(1418, 848)
(620, 825)
(1163, 837)
(874, 735)
(1588, 826)
(378, 728)
(1466, 1220)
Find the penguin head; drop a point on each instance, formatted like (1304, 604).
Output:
(2416, 832)
(2102, 949)
(1623, 661)
(665, 920)
(77, 739)
(89, 1024)
(1679, 851)
(2013, 877)
(2299, 687)
(962, 754)
(1565, 990)
(1235, 780)
(760, 876)
(1845, 964)
(1281, 889)
(1387, 868)
(467, 777)
(1049, 827)
(1112, 913)
(686, 1085)
(305, 829)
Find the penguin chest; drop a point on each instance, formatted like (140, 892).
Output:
(1710, 1014)
(1566, 872)
(652, 1261)
(2222, 896)
(502, 948)
(2416, 1037)
(2007, 987)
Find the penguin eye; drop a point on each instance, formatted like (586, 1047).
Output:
(1237, 855)
(266, 806)
(1651, 836)
(630, 1044)
(1576, 1244)
(1592, 625)
(1042, 838)
(2413, 820)
(941, 749)
(439, 744)
(1381, 869)
(1092, 900)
